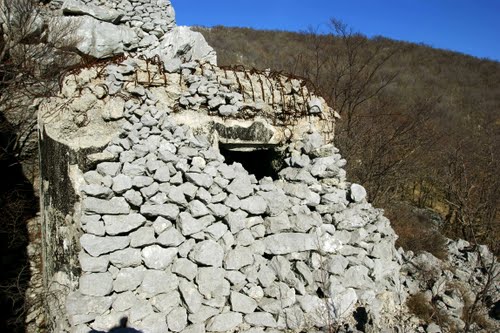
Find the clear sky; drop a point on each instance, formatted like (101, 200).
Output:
(466, 26)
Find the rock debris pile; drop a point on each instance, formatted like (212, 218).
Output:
(147, 220)
(176, 239)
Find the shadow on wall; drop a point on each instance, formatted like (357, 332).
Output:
(121, 328)
(18, 204)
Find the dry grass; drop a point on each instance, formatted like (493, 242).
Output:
(416, 231)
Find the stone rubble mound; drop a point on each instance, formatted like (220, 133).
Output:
(176, 240)
(453, 286)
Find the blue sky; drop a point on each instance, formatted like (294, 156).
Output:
(466, 26)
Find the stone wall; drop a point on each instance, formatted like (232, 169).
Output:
(174, 238)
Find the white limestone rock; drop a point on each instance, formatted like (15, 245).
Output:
(128, 279)
(122, 224)
(128, 257)
(96, 284)
(242, 303)
(97, 38)
(207, 253)
(225, 322)
(73, 7)
(97, 246)
(357, 193)
(286, 243)
(157, 257)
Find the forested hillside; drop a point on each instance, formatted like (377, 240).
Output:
(419, 127)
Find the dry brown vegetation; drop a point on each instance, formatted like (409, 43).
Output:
(419, 125)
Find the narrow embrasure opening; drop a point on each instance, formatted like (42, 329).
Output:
(259, 161)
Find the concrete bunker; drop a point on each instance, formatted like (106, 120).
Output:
(253, 147)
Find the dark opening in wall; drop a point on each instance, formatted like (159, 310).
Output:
(261, 162)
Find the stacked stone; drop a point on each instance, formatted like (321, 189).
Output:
(177, 240)
(205, 88)
(104, 29)
(240, 94)
(152, 17)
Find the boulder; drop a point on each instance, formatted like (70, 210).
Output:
(96, 38)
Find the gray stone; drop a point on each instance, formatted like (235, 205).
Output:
(290, 242)
(122, 224)
(277, 223)
(192, 298)
(195, 328)
(357, 193)
(189, 225)
(266, 276)
(151, 285)
(216, 230)
(228, 110)
(203, 315)
(140, 310)
(236, 221)
(161, 224)
(197, 209)
(176, 195)
(171, 237)
(168, 211)
(185, 268)
(96, 38)
(126, 258)
(238, 258)
(185, 44)
(177, 319)
(337, 264)
(357, 277)
(149, 191)
(76, 303)
(162, 174)
(189, 190)
(344, 303)
(207, 253)
(154, 323)
(97, 246)
(125, 301)
(73, 7)
(260, 319)
(241, 187)
(211, 282)
(142, 237)
(218, 210)
(242, 303)
(133, 197)
(128, 279)
(225, 322)
(142, 181)
(108, 168)
(96, 284)
(94, 227)
(121, 184)
(93, 265)
(114, 206)
(255, 205)
(98, 191)
(200, 179)
(166, 302)
(156, 257)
